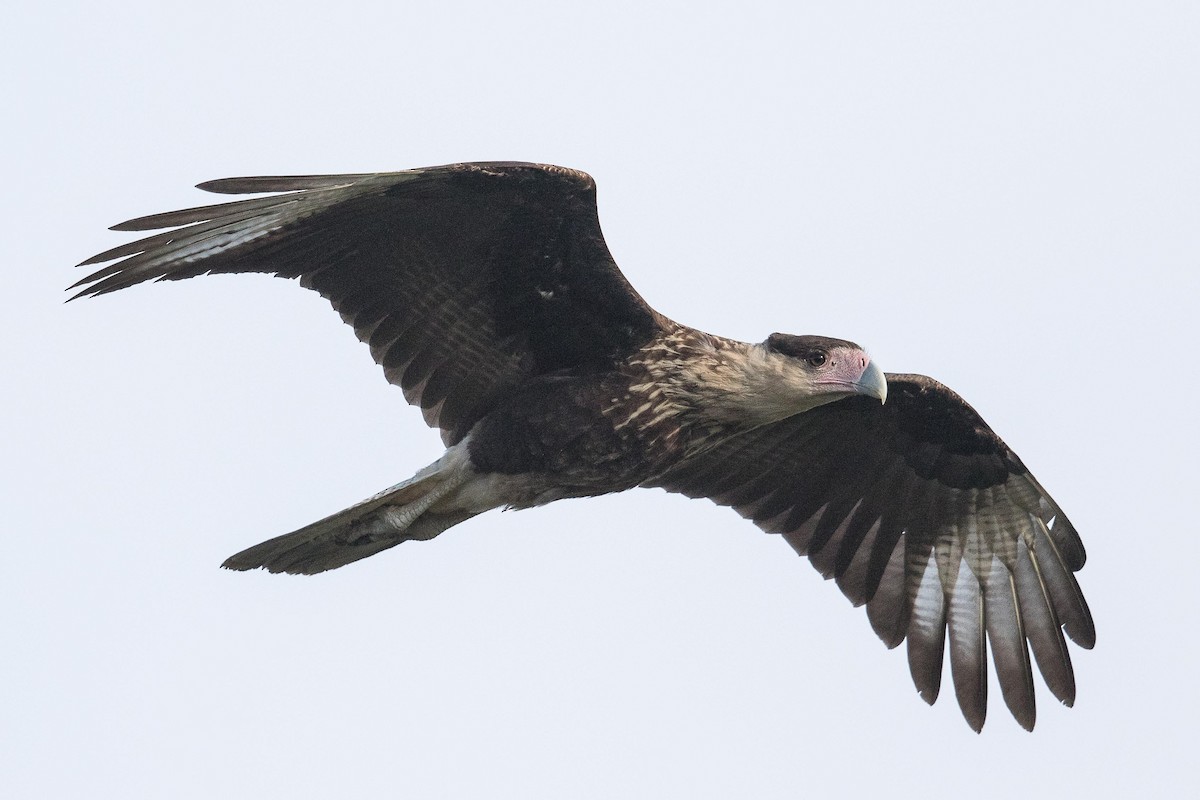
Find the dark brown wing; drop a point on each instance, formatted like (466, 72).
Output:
(465, 279)
(917, 509)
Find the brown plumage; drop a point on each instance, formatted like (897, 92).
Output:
(487, 293)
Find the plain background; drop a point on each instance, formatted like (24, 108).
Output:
(1005, 196)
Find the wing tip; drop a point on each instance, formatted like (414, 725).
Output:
(215, 185)
(1082, 635)
(975, 716)
(237, 564)
(1026, 716)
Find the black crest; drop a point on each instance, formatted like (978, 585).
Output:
(804, 347)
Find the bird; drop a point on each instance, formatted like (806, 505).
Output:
(487, 293)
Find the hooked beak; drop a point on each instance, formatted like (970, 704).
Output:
(854, 372)
(872, 382)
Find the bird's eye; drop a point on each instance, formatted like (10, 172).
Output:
(816, 359)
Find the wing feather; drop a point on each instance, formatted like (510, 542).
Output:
(1010, 654)
(926, 627)
(920, 512)
(465, 280)
(968, 646)
(289, 183)
(1042, 627)
(1064, 591)
(888, 610)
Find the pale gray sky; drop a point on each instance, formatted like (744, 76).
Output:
(1006, 199)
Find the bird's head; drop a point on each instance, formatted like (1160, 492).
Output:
(828, 368)
(753, 385)
(788, 375)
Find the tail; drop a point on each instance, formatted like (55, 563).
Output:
(393, 516)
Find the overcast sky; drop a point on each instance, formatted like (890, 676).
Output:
(1007, 200)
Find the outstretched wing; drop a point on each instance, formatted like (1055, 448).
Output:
(465, 280)
(917, 509)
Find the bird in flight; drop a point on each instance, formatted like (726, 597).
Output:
(487, 293)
